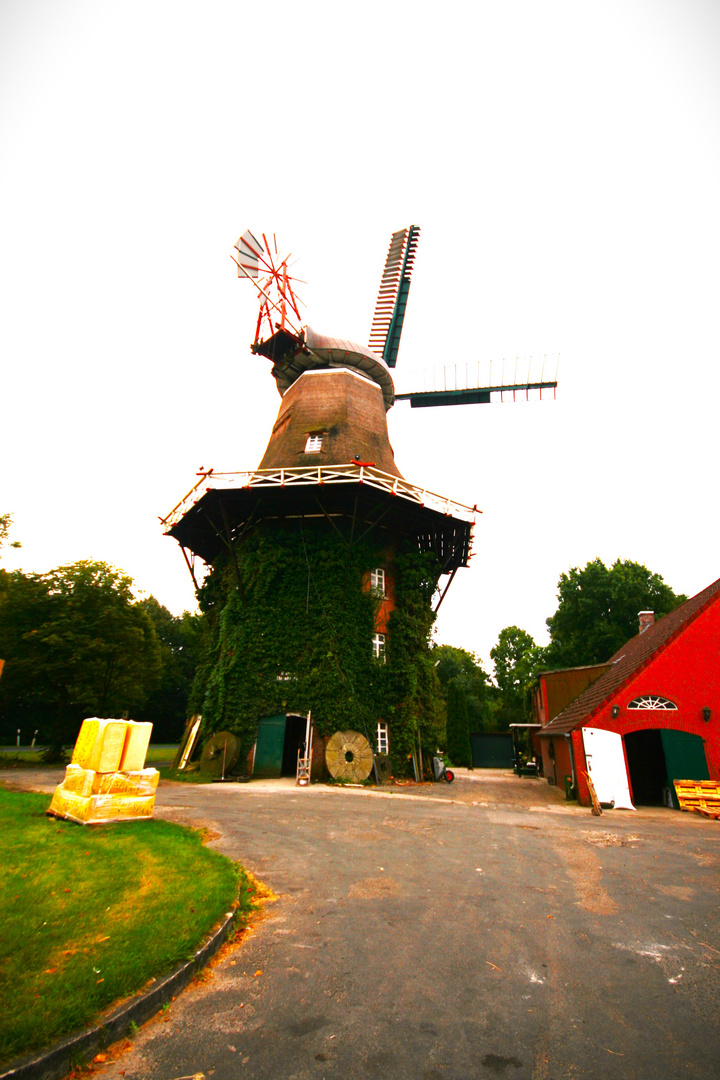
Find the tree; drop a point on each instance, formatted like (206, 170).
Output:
(76, 644)
(5, 524)
(517, 662)
(598, 610)
(458, 731)
(462, 669)
(180, 639)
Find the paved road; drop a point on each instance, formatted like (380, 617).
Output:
(452, 937)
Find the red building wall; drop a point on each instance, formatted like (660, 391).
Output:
(386, 605)
(687, 671)
(556, 760)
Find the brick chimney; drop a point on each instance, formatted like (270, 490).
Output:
(647, 618)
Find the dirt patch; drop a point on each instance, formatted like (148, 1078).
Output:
(491, 787)
(585, 872)
(608, 839)
(186, 815)
(376, 888)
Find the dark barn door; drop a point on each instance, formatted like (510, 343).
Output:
(492, 750)
(657, 756)
(295, 729)
(270, 746)
(279, 739)
(684, 758)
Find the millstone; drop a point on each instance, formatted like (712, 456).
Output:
(211, 760)
(349, 756)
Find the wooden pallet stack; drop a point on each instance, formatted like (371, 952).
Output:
(702, 796)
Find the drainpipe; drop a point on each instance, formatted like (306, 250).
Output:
(572, 759)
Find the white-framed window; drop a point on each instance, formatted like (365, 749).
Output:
(383, 741)
(377, 581)
(651, 701)
(313, 444)
(379, 646)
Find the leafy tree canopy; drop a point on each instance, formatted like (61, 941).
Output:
(458, 727)
(598, 610)
(517, 662)
(76, 643)
(180, 639)
(5, 524)
(462, 671)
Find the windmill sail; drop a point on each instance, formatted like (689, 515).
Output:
(250, 251)
(392, 298)
(463, 384)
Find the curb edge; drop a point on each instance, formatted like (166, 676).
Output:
(58, 1061)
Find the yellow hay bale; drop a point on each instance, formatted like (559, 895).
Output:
(120, 807)
(85, 743)
(136, 744)
(142, 782)
(95, 787)
(67, 804)
(78, 781)
(96, 808)
(100, 744)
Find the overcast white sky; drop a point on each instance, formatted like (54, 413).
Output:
(563, 162)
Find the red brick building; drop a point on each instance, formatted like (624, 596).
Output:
(649, 716)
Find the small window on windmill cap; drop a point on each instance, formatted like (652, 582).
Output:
(313, 444)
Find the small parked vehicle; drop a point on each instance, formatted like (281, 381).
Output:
(439, 770)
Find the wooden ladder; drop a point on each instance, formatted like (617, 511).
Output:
(304, 765)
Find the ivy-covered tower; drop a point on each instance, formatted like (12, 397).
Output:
(324, 561)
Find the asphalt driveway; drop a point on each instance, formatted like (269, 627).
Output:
(445, 935)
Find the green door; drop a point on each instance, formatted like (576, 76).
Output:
(269, 748)
(684, 758)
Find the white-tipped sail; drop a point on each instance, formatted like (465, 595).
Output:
(250, 250)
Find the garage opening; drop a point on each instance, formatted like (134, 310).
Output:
(279, 739)
(295, 727)
(658, 756)
(492, 750)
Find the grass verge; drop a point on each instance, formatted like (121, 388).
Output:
(183, 777)
(19, 759)
(90, 914)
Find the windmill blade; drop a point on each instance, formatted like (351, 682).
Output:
(430, 399)
(463, 385)
(389, 314)
(250, 251)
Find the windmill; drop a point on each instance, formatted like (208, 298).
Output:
(328, 476)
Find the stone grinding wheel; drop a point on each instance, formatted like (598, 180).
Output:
(349, 756)
(211, 759)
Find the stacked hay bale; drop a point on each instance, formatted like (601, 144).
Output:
(106, 779)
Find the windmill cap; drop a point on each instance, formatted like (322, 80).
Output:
(317, 351)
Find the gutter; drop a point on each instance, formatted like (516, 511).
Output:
(571, 752)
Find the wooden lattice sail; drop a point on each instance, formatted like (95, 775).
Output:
(389, 314)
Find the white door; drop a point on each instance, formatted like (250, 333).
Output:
(606, 766)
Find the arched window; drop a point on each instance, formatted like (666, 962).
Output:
(651, 701)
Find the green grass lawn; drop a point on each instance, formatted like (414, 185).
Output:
(192, 777)
(159, 753)
(13, 759)
(89, 913)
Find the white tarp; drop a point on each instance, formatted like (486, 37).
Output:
(606, 767)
